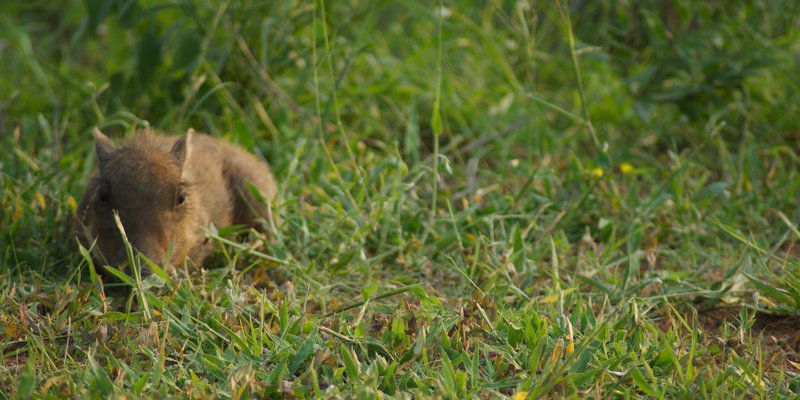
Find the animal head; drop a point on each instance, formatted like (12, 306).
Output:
(145, 182)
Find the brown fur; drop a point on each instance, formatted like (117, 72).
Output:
(144, 179)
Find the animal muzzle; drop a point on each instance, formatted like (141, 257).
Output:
(153, 253)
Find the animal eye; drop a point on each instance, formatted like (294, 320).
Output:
(104, 193)
(180, 199)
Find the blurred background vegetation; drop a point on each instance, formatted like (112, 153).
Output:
(653, 145)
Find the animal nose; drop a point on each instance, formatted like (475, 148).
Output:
(150, 250)
(121, 258)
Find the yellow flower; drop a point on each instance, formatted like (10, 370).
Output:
(597, 172)
(72, 204)
(626, 168)
(520, 396)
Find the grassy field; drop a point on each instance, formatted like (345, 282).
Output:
(480, 199)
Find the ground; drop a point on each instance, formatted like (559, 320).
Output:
(532, 199)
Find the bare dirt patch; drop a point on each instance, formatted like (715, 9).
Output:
(779, 335)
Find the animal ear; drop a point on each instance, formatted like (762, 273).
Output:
(182, 149)
(103, 146)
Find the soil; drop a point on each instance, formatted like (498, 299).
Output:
(779, 335)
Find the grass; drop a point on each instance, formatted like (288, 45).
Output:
(479, 199)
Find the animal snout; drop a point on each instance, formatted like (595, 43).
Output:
(153, 253)
(119, 258)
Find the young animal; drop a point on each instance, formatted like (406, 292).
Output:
(167, 190)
